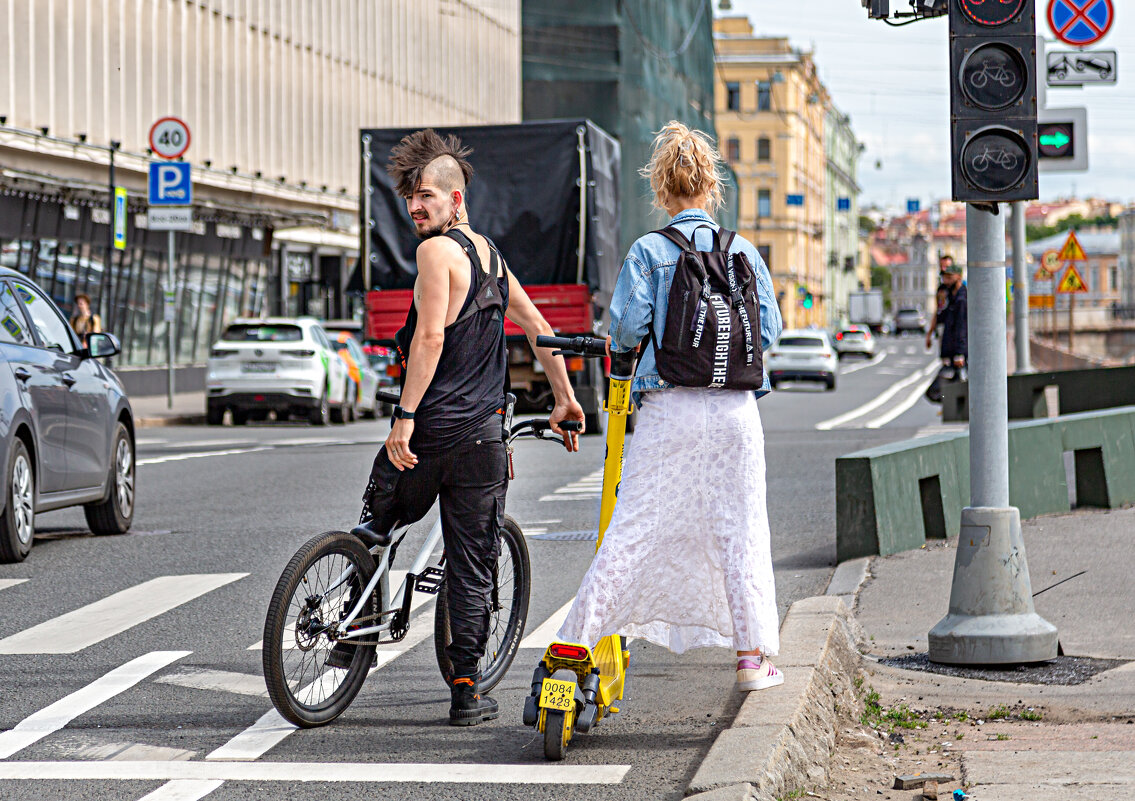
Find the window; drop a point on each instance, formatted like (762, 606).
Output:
(732, 149)
(733, 96)
(13, 329)
(255, 332)
(1113, 278)
(765, 252)
(764, 149)
(54, 332)
(764, 96)
(764, 202)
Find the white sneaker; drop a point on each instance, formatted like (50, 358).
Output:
(754, 676)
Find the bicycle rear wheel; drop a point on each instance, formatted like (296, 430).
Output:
(318, 588)
(508, 611)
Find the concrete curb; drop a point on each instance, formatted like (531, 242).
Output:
(171, 420)
(782, 739)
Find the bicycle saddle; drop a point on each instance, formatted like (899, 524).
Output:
(373, 537)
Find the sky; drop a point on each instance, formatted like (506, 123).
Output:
(894, 84)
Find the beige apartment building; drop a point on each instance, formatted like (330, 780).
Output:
(274, 93)
(770, 126)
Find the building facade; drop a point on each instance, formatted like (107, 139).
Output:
(841, 216)
(770, 124)
(274, 93)
(1126, 261)
(630, 67)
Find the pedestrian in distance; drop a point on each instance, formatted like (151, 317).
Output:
(954, 317)
(83, 321)
(686, 561)
(447, 438)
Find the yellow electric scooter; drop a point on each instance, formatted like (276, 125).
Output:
(575, 686)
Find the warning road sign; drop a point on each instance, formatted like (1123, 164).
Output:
(1072, 283)
(1042, 274)
(1072, 250)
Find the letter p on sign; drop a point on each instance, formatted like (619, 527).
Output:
(170, 184)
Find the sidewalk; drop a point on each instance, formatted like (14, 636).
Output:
(153, 410)
(861, 704)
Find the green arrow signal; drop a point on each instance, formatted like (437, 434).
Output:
(1058, 139)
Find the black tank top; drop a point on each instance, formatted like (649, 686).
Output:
(469, 383)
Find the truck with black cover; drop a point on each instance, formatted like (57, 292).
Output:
(547, 193)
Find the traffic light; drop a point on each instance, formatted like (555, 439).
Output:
(809, 301)
(993, 108)
(877, 9)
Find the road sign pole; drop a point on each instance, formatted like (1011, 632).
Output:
(1071, 320)
(1020, 291)
(171, 322)
(991, 619)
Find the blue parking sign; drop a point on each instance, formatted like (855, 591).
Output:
(170, 184)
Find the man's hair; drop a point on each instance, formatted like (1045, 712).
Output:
(411, 156)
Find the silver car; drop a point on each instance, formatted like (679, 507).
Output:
(66, 426)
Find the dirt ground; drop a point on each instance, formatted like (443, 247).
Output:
(897, 737)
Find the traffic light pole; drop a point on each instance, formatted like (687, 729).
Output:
(991, 618)
(1020, 290)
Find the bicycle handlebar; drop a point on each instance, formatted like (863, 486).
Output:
(574, 346)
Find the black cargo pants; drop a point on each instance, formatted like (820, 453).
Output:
(470, 479)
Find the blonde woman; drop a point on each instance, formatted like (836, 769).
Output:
(685, 562)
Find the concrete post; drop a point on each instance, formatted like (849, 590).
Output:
(1020, 291)
(991, 619)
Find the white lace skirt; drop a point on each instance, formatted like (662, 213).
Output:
(685, 562)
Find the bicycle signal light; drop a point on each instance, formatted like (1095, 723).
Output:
(993, 106)
(565, 651)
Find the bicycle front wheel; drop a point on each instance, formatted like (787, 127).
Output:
(508, 610)
(318, 589)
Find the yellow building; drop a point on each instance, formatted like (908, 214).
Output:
(770, 127)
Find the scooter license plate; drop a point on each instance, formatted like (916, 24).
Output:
(557, 694)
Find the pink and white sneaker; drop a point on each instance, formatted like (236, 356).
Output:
(759, 675)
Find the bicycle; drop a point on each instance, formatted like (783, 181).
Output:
(335, 591)
(575, 686)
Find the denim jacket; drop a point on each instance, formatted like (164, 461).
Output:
(643, 287)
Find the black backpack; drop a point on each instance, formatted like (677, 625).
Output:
(713, 319)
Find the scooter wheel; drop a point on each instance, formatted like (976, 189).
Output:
(556, 735)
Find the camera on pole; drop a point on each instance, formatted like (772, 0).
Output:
(993, 106)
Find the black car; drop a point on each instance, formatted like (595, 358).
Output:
(66, 426)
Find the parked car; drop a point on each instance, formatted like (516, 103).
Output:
(66, 426)
(854, 339)
(802, 355)
(280, 364)
(364, 378)
(382, 358)
(909, 320)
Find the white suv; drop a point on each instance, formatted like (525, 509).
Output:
(276, 364)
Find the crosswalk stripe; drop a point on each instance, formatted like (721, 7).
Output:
(371, 772)
(183, 790)
(545, 633)
(54, 717)
(133, 752)
(113, 614)
(6, 583)
(223, 680)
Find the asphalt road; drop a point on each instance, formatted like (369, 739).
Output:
(138, 691)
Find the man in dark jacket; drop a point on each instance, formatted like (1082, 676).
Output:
(955, 317)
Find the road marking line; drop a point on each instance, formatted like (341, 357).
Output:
(575, 496)
(910, 400)
(910, 350)
(183, 790)
(313, 441)
(870, 406)
(181, 457)
(133, 752)
(224, 680)
(140, 441)
(545, 633)
(534, 531)
(870, 363)
(417, 772)
(113, 614)
(201, 443)
(6, 583)
(54, 717)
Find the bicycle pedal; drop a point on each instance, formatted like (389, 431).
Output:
(430, 580)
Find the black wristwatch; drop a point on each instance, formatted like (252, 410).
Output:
(402, 414)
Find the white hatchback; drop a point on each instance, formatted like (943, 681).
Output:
(285, 365)
(801, 355)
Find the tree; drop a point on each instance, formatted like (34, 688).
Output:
(881, 279)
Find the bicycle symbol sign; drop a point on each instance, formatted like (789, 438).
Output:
(1080, 22)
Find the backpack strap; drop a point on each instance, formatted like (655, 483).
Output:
(483, 295)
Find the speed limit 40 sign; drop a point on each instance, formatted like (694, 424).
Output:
(169, 137)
